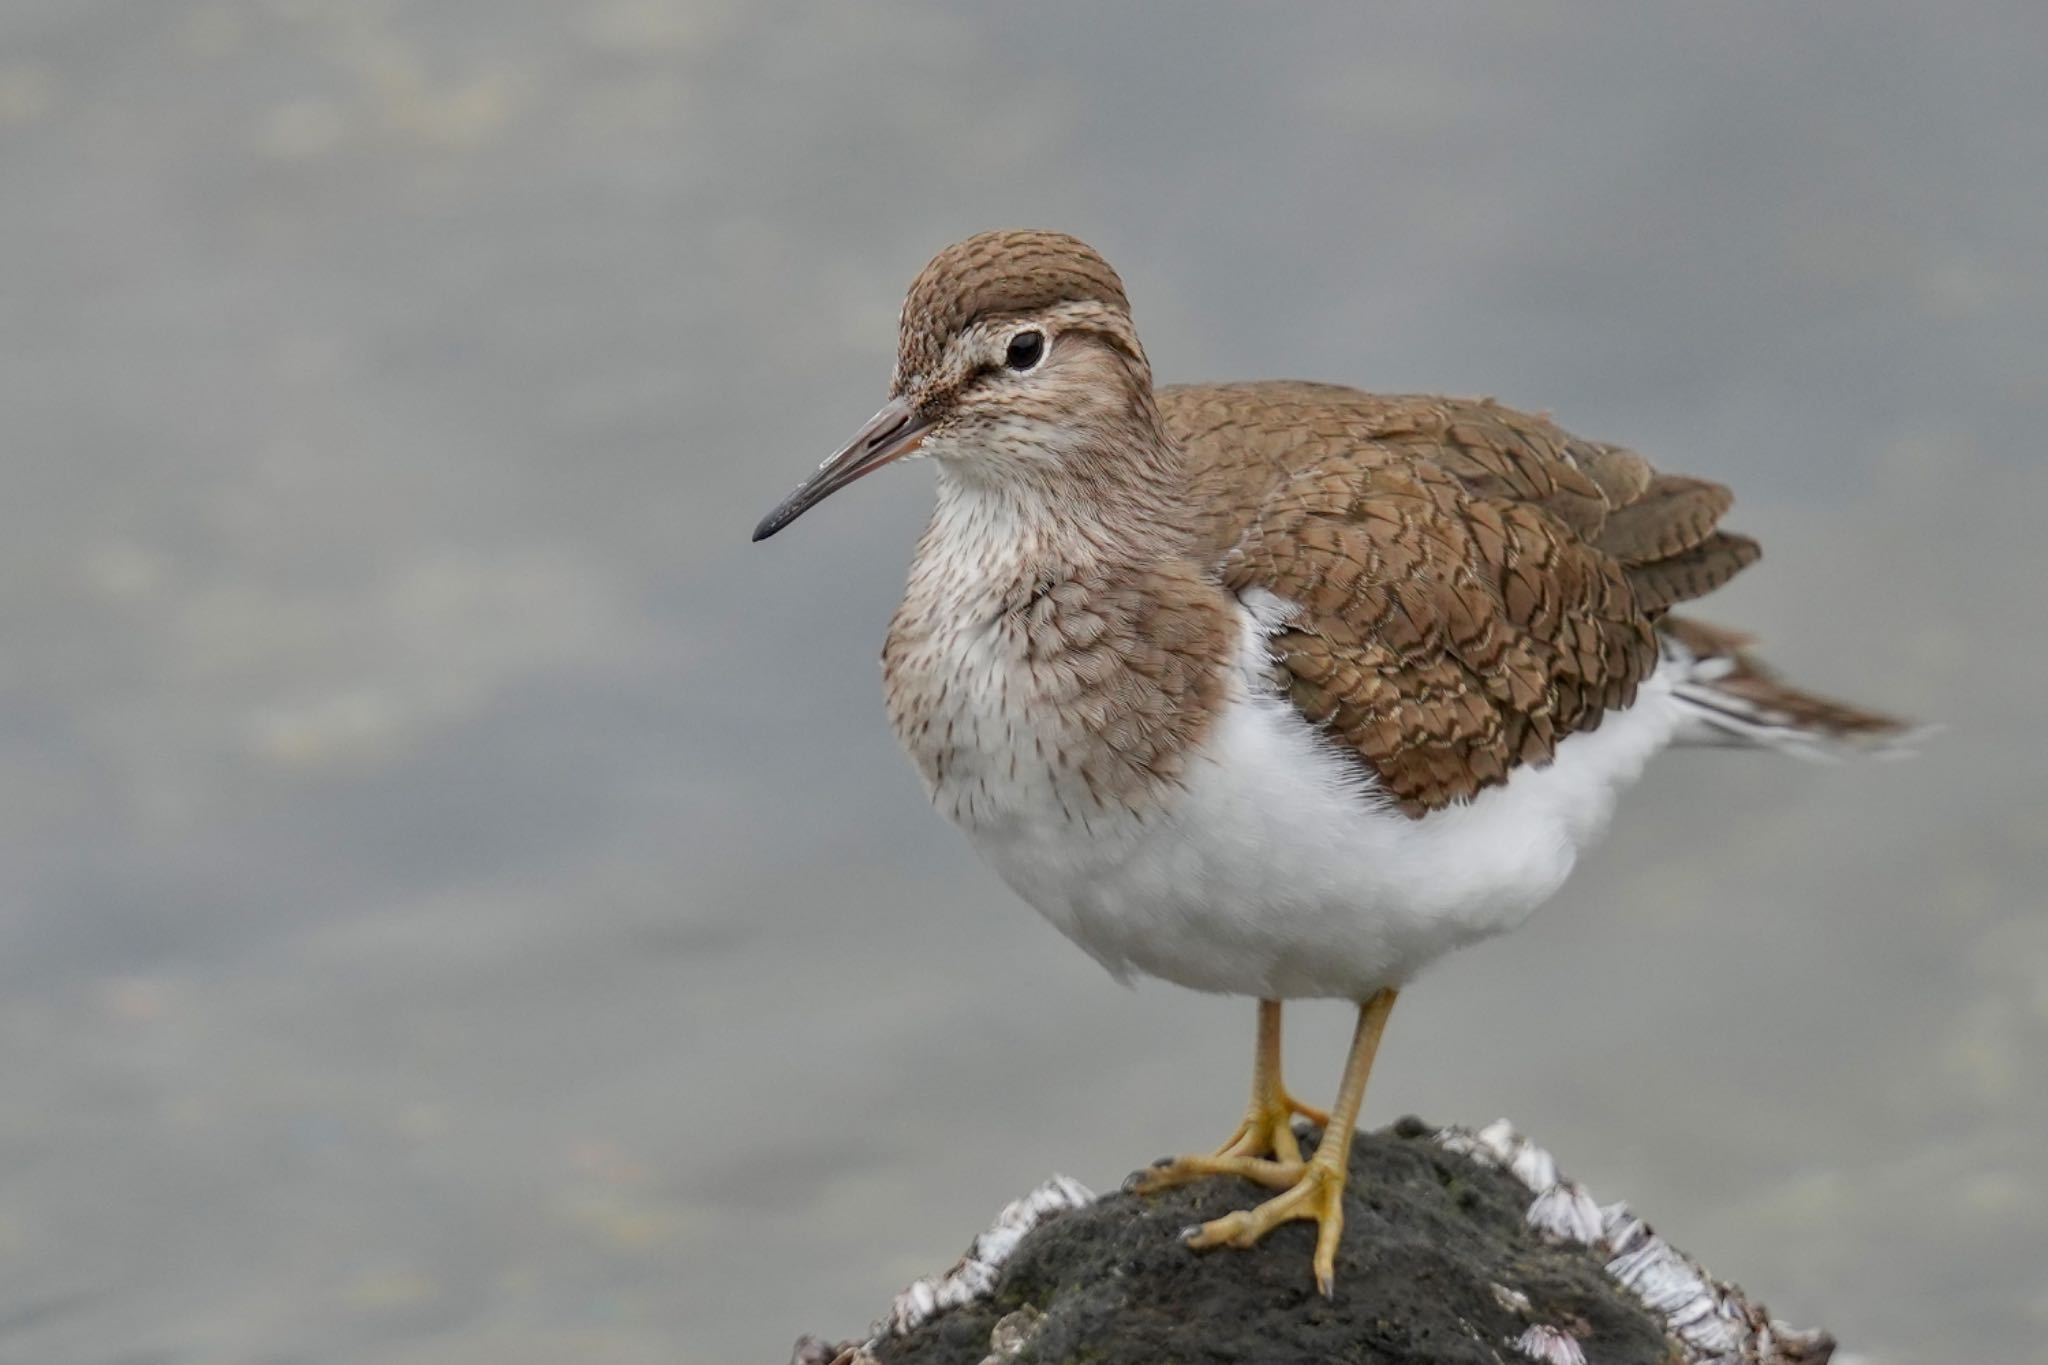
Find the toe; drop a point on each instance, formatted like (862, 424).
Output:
(1277, 1175)
(1319, 1117)
(1244, 1142)
(1231, 1230)
(1329, 1231)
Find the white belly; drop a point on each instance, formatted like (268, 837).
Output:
(1277, 871)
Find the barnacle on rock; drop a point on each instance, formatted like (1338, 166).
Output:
(1453, 1237)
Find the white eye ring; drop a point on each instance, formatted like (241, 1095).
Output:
(1025, 351)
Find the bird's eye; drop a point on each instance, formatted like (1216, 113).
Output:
(1026, 350)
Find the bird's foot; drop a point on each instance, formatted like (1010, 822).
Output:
(1264, 1149)
(1318, 1195)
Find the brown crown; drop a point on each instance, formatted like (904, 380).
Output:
(1014, 271)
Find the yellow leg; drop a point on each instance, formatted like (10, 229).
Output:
(1263, 1148)
(1318, 1193)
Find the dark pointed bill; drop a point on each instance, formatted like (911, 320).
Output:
(890, 434)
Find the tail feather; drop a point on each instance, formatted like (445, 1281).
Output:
(1732, 699)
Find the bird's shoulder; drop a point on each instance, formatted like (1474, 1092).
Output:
(1470, 583)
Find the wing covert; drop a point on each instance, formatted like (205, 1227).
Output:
(1471, 583)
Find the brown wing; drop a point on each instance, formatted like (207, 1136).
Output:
(1474, 583)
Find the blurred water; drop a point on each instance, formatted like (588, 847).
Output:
(462, 903)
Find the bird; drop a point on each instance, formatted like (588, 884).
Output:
(1279, 689)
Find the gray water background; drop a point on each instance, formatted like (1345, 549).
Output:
(460, 902)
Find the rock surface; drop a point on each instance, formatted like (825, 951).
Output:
(1458, 1247)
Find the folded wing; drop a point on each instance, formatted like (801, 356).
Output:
(1471, 584)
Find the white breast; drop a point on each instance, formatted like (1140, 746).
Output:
(1278, 871)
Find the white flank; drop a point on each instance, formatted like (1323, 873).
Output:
(1279, 870)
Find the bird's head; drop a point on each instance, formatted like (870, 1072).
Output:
(1015, 352)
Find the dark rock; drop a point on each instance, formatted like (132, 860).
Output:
(1439, 1263)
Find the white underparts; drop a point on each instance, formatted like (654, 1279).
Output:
(1278, 870)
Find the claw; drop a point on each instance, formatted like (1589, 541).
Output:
(1273, 1174)
(1318, 1195)
(1265, 1150)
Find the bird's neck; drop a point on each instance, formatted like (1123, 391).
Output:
(1058, 647)
(1115, 505)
